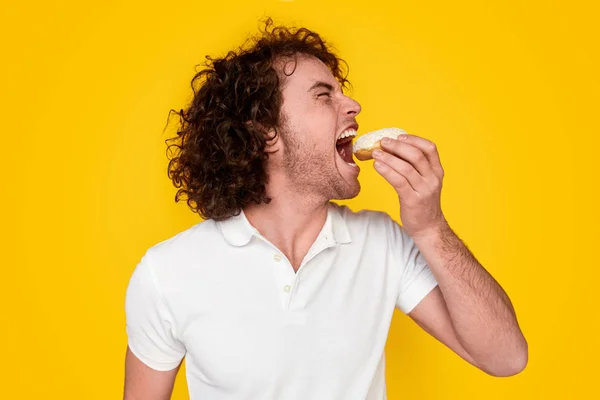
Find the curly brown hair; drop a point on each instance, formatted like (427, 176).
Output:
(219, 158)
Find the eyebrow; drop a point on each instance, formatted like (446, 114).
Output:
(321, 84)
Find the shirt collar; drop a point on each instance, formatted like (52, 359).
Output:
(340, 231)
(238, 231)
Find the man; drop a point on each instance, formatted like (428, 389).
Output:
(280, 293)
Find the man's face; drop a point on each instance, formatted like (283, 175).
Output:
(315, 113)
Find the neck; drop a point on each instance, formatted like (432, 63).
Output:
(291, 221)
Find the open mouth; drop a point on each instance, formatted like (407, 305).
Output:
(344, 146)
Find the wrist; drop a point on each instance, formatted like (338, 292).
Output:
(434, 232)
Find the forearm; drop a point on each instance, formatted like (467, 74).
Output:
(482, 315)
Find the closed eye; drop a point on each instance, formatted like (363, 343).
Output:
(324, 94)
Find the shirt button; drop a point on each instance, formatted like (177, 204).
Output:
(287, 288)
(277, 257)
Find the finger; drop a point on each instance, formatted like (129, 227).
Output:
(428, 148)
(398, 182)
(404, 168)
(410, 153)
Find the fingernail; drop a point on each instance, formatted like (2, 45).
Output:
(377, 153)
(386, 141)
(379, 165)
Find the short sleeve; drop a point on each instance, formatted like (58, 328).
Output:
(150, 325)
(416, 278)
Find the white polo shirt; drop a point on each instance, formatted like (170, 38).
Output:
(228, 300)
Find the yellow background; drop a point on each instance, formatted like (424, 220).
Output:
(508, 90)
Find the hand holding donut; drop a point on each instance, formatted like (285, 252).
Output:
(411, 164)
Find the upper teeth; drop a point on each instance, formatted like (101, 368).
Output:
(347, 133)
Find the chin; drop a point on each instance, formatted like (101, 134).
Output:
(356, 191)
(349, 191)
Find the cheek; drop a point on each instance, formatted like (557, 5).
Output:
(313, 127)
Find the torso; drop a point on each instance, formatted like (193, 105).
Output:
(257, 326)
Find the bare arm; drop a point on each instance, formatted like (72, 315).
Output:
(469, 312)
(145, 383)
(483, 321)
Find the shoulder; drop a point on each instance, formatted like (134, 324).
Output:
(183, 248)
(371, 225)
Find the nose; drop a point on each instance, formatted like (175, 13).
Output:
(352, 107)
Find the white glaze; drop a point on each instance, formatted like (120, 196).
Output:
(367, 140)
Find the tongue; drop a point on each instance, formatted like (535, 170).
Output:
(345, 151)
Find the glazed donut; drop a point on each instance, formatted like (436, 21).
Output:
(364, 145)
